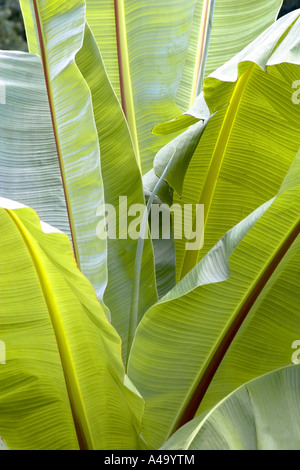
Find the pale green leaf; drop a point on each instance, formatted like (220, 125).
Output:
(55, 31)
(151, 51)
(143, 44)
(234, 26)
(123, 188)
(263, 414)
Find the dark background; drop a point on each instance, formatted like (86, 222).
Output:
(12, 35)
(289, 5)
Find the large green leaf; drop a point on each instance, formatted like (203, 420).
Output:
(251, 140)
(29, 167)
(121, 178)
(55, 31)
(232, 27)
(143, 44)
(151, 50)
(263, 414)
(118, 166)
(223, 311)
(62, 384)
(252, 353)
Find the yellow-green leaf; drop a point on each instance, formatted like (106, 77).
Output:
(232, 318)
(62, 384)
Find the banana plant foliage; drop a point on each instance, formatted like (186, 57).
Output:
(217, 328)
(63, 385)
(34, 91)
(110, 344)
(70, 68)
(157, 52)
(250, 141)
(251, 418)
(68, 65)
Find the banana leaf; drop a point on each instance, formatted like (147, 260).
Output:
(250, 141)
(62, 386)
(153, 52)
(263, 414)
(113, 173)
(50, 156)
(121, 177)
(232, 318)
(220, 29)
